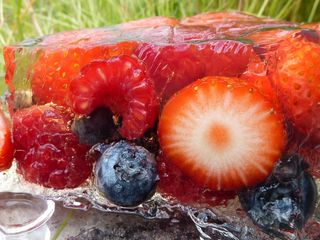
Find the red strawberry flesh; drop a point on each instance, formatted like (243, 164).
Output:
(222, 133)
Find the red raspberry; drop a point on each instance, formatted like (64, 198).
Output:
(174, 184)
(122, 85)
(47, 152)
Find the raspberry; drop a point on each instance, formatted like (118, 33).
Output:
(56, 67)
(122, 85)
(47, 152)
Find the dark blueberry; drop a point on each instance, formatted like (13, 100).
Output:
(286, 200)
(94, 128)
(126, 174)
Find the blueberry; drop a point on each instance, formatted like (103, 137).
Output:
(126, 174)
(285, 201)
(94, 128)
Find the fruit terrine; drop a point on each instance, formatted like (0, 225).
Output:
(206, 112)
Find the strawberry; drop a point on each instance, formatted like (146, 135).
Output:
(150, 22)
(267, 40)
(6, 146)
(122, 85)
(297, 80)
(222, 133)
(257, 75)
(174, 66)
(9, 59)
(298, 144)
(61, 57)
(47, 152)
(174, 184)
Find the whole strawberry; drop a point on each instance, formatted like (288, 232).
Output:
(296, 79)
(47, 152)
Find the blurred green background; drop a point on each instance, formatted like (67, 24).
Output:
(21, 19)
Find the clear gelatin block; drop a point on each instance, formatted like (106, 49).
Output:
(215, 117)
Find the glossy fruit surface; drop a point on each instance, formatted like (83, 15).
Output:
(6, 146)
(47, 152)
(296, 80)
(173, 67)
(57, 66)
(121, 84)
(126, 174)
(222, 133)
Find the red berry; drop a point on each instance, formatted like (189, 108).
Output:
(174, 66)
(257, 76)
(222, 133)
(9, 59)
(47, 152)
(296, 79)
(6, 146)
(62, 61)
(122, 85)
(176, 185)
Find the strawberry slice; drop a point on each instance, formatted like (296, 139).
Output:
(296, 80)
(6, 146)
(222, 133)
(122, 85)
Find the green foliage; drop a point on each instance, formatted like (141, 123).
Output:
(20, 19)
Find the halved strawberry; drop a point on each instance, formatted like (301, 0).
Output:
(222, 133)
(6, 146)
(296, 79)
(122, 85)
